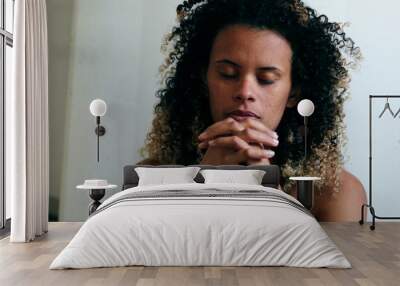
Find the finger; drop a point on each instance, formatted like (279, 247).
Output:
(230, 126)
(252, 153)
(233, 142)
(227, 126)
(257, 153)
(203, 145)
(258, 125)
(255, 136)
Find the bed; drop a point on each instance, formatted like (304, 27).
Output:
(201, 224)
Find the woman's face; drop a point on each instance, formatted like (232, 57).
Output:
(249, 74)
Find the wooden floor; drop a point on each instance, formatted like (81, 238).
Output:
(374, 255)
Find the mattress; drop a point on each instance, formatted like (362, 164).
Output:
(201, 225)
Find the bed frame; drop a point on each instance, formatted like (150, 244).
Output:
(270, 179)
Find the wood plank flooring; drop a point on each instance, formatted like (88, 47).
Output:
(374, 255)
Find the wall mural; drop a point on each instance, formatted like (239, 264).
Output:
(223, 90)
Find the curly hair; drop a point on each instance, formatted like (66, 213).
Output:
(321, 56)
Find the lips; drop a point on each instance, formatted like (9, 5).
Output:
(242, 115)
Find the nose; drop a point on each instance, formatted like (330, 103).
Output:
(245, 91)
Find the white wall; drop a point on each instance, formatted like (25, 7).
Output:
(110, 50)
(374, 28)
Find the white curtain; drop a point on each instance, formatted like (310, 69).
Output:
(27, 134)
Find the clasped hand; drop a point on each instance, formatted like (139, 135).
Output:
(232, 142)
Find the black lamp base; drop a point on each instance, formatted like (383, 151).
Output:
(96, 195)
(305, 193)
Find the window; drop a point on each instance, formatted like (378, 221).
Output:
(6, 45)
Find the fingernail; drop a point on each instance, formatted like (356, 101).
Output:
(212, 142)
(276, 142)
(275, 135)
(269, 153)
(201, 135)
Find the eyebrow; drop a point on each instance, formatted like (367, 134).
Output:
(265, 69)
(226, 61)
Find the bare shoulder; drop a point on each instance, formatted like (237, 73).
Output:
(348, 180)
(344, 205)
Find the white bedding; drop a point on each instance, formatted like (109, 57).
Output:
(182, 231)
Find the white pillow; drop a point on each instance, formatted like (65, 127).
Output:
(162, 176)
(248, 177)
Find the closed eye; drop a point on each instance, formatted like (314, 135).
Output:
(265, 81)
(228, 76)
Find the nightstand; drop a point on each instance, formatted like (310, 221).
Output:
(305, 190)
(97, 189)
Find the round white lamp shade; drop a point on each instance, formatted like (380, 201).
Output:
(305, 107)
(98, 107)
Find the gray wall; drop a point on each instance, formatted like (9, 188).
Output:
(110, 50)
(100, 49)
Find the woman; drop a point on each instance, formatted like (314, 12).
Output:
(234, 74)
